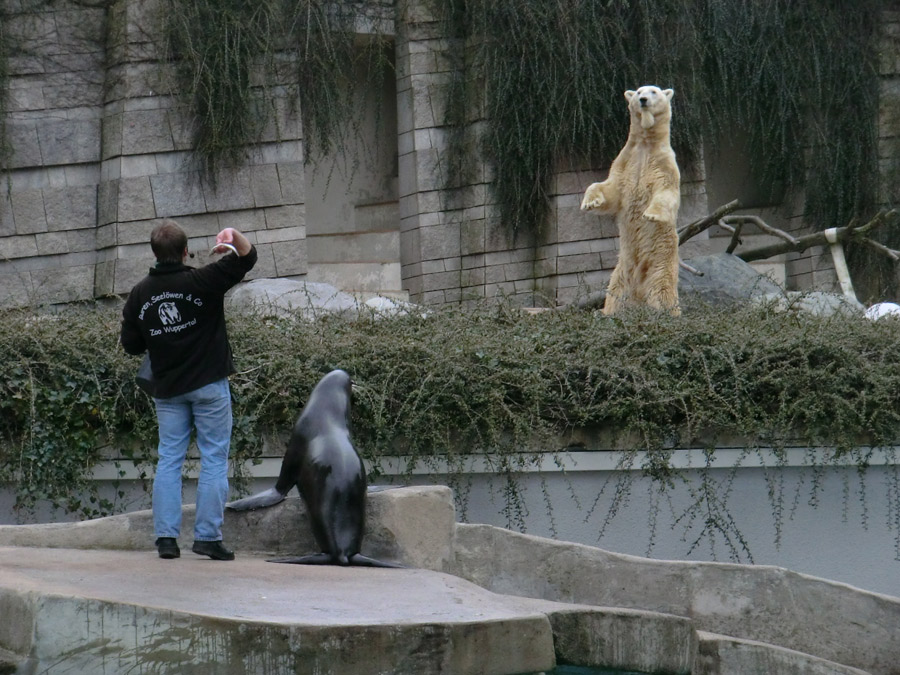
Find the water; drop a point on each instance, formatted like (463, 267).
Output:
(579, 670)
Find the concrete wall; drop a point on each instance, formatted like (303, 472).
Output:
(845, 529)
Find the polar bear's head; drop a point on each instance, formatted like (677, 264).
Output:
(649, 103)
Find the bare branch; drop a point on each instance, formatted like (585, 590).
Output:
(692, 270)
(698, 226)
(735, 236)
(881, 248)
(761, 224)
(852, 232)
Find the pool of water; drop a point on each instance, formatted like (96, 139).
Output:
(578, 670)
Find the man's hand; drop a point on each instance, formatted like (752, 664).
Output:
(234, 238)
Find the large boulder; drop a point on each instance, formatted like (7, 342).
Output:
(306, 299)
(723, 279)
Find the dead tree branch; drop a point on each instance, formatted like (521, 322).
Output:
(698, 226)
(760, 223)
(852, 232)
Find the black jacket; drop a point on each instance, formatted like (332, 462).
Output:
(177, 314)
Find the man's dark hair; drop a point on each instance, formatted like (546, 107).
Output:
(168, 242)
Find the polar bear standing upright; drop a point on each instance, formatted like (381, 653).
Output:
(643, 190)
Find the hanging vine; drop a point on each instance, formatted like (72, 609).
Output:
(234, 57)
(798, 78)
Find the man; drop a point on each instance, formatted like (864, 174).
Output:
(176, 314)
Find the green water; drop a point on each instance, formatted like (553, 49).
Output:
(578, 670)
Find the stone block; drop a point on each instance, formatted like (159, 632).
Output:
(111, 169)
(137, 166)
(81, 240)
(442, 281)
(253, 220)
(106, 236)
(265, 186)
(23, 139)
(290, 258)
(408, 183)
(380, 217)
(265, 264)
(174, 162)
(381, 247)
(23, 246)
(472, 277)
(231, 191)
(80, 175)
(28, 211)
(181, 129)
(136, 232)
(63, 284)
(51, 243)
(198, 226)
(104, 278)
(291, 179)
(135, 199)
(71, 141)
(177, 194)
(286, 152)
(285, 216)
(439, 241)
(7, 223)
(86, 93)
(24, 98)
(129, 271)
(283, 234)
(107, 202)
(71, 208)
(572, 264)
(15, 287)
(146, 131)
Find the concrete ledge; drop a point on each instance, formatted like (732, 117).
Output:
(128, 611)
(413, 526)
(771, 605)
(648, 642)
(722, 655)
(514, 604)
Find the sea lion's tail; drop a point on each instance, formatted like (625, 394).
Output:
(260, 500)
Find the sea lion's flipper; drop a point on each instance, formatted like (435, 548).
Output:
(314, 559)
(365, 561)
(258, 501)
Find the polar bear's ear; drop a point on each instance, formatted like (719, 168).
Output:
(629, 95)
(668, 93)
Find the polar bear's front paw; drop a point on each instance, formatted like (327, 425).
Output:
(658, 212)
(593, 198)
(655, 214)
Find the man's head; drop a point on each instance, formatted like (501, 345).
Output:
(169, 242)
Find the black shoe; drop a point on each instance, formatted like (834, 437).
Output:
(213, 549)
(168, 548)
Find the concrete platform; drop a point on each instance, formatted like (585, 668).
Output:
(120, 611)
(473, 599)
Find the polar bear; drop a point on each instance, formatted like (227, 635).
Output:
(643, 190)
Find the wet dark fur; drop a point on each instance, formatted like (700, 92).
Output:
(322, 462)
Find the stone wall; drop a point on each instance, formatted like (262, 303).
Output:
(101, 152)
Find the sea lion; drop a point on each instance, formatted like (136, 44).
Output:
(322, 462)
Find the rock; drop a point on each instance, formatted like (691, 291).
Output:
(816, 303)
(882, 309)
(725, 279)
(307, 299)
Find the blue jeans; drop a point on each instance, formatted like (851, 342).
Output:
(209, 410)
